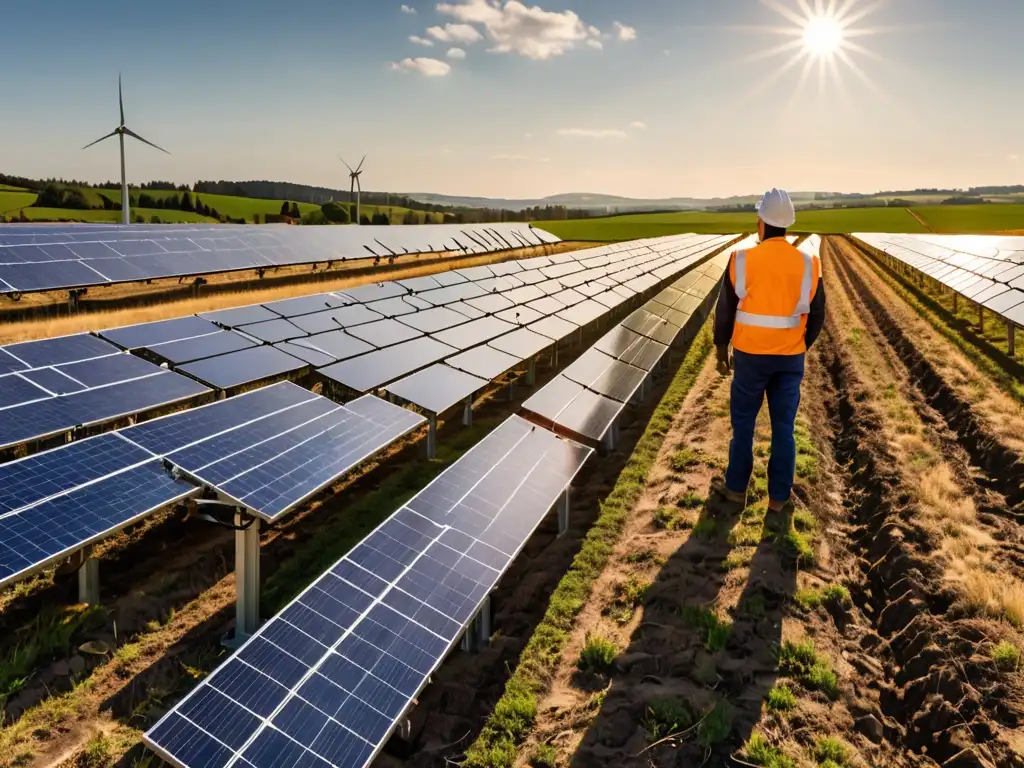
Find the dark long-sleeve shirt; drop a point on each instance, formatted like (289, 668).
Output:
(728, 302)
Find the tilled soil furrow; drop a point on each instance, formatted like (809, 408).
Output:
(941, 700)
(1003, 469)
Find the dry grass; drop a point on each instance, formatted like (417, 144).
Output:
(945, 509)
(163, 310)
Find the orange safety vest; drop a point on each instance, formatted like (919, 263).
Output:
(775, 283)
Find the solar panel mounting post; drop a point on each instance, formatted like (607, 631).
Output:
(247, 577)
(531, 372)
(478, 633)
(432, 436)
(467, 412)
(563, 512)
(89, 578)
(1011, 339)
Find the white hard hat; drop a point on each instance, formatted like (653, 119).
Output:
(777, 209)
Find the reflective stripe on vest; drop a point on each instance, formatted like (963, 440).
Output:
(786, 322)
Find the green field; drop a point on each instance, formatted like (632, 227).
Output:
(636, 226)
(973, 219)
(66, 214)
(12, 200)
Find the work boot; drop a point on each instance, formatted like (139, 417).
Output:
(776, 506)
(733, 497)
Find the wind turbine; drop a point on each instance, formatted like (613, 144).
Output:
(355, 187)
(120, 132)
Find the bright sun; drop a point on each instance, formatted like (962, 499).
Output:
(823, 36)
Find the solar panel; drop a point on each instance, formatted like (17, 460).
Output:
(53, 380)
(275, 458)
(324, 682)
(59, 501)
(474, 333)
(61, 349)
(437, 388)
(398, 306)
(384, 333)
(306, 305)
(191, 349)
(485, 362)
(271, 331)
(14, 390)
(338, 344)
(243, 367)
(232, 318)
(522, 343)
(159, 332)
(651, 326)
(345, 317)
(375, 369)
(433, 320)
(314, 357)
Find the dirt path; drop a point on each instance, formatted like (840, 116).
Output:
(920, 221)
(878, 625)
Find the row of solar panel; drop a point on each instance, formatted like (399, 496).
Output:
(585, 400)
(44, 393)
(977, 267)
(36, 259)
(324, 682)
(267, 451)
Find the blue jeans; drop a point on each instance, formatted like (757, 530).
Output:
(753, 377)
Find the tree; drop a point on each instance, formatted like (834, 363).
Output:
(294, 213)
(315, 217)
(215, 214)
(284, 208)
(410, 217)
(186, 203)
(336, 213)
(364, 220)
(380, 218)
(155, 220)
(255, 217)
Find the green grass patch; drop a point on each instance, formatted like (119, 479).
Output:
(667, 717)
(97, 753)
(629, 595)
(759, 751)
(598, 655)
(644, 557)
(803, 663)
(706, 528)
(1006, 656)
(336, 538)
(831, 750)
(972, 219)
(691, 501)
(739, 558)
(838, 594)
(745, 535)
(48, 635)
(808, 599)
(14, 200)
(804, 521)
(544, 756)
(515, 711)
(684, 459)
(668, 519)
(715, 631)
(780, 698)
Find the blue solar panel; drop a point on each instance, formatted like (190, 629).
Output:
(243, 367)
(271, 331)
(305, 305)
(108, 370)
(344, 317)
(200, 347)
(15, 390)
(324, 682)
(34, 421)
(374, 369)
(159, 332)
(280, 446)
(338, 344)
(53, 380)
(63, 349)
(232, 318)
(58, 526)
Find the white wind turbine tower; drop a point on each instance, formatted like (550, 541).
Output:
(355, 186)
(120, 132)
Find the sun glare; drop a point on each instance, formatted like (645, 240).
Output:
(823, 36)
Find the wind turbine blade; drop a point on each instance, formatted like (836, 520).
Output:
(360, 166)
(346, 164)
(120, 97)
(134, 135)
(112, 133)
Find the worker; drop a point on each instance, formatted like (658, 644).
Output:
(771, 308)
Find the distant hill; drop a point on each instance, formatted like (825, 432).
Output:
(596, 202)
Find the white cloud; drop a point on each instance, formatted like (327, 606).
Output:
(424, 66)
(455, 33)
(596, 44)
(420, 40)
(593, 133)
(407, 9)
(532, 32)
(638, 124)
(510, 157)
(625, 33)
(456, 53)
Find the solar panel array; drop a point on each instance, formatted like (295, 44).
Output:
(988, 270)
(54, 385)
(325, 681)
(43, 258)
(268, 451)
(587, 397)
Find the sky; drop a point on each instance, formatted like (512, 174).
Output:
(500, 98)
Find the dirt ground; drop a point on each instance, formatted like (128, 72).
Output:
(876, 622)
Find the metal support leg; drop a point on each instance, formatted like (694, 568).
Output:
(1011, 339)
(563, 513)
(432, 437)
(956, 302)
(554, 363)
(645, 389)
(467, 412)
(611, 437)
(478, 633)
(531, 372)
(89, 578)
(247, 577)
